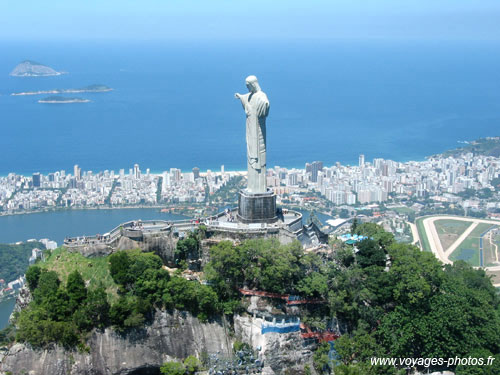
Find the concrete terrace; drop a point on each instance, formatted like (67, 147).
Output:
(289, 222)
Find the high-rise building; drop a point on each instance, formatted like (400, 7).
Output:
(316, 166)
(36, 179)
(166, 180)
(385, 169)
(77, 172)
(137, 172)
(196, 172)
(378, 163)
(364, 196)
(292, 179)
(350, 198)
(175, 174)
(361, 160)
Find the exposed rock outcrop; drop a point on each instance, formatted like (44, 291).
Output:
(170, 336)
(23, 299)
(282, 353)
(163, 245)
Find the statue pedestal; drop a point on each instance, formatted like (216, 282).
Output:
(257, 208)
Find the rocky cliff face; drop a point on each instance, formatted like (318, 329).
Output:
(163, 245)
(282, 353)
(22, 301)
(170, 336)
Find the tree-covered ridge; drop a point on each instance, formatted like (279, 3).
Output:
(146, 286)
(60, 312)
(63, 312)
(390, 299)
(410, 305)
(14, 259)
(94, 271)
(265, 265)
(484, 146)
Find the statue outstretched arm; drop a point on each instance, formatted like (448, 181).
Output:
(243, 98)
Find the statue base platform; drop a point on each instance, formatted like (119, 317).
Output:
(257, 208)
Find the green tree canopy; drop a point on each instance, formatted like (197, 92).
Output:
(76, 289)
(173, 368)
(32, 276)
(48, 285)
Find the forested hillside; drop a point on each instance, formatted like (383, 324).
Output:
(390, 299)
(14, 259)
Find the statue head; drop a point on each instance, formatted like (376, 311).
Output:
(252, 84)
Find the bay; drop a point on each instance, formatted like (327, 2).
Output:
(173, 104)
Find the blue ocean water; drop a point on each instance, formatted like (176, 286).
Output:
(173, 103)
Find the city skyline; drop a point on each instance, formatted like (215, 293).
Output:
(439, 178)
(241, 169)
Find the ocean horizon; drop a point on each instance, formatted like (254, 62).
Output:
(172, 103)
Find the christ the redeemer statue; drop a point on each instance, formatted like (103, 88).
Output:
(256, 106)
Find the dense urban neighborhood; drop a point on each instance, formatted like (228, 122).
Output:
(463, 184)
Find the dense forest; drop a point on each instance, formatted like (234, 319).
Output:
(390, 299)
(14, 259)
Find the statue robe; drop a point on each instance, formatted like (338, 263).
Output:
(256, 107)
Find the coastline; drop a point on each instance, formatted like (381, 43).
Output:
(242, 172)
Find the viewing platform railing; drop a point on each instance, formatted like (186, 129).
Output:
(222, 221)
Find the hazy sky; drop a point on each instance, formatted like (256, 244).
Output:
(235, 19)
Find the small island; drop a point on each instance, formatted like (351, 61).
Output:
(92, 88)
(30, 68)
(62, 100)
